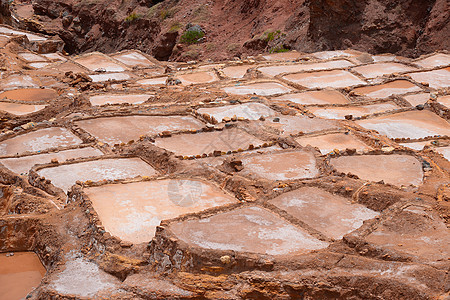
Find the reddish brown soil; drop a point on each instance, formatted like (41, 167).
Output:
(236, 28)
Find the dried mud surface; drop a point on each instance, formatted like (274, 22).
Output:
(240, 205)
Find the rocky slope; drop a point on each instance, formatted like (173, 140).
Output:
(236, 28)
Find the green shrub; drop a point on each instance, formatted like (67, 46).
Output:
(132, 17)
(191, 37)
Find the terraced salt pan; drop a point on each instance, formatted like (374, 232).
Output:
(235, 71)
(295, 124)
(324, 79)
(54, 56)
(39, 140)
(31, 37)
(417, 99)
(19, 274)
(332, 215)
(153, 81)
(97, 61)
(283, 56)
(395, 169)
(119, 99)
(31, 57)
(31, 95)
(64, 176)
(437, 79)
(434, 61)
(416, 145)
(335, 53)
(110, 76)
(249, 229)
(281, 166)
(132, 211)
(277, 70)
(396, 87)
(445, 151)
(82, 278)
(116, 130)
(18, 81)
(355, 111)
(67, 67)
(410, 124)
(251, 111)
(329, 142)
(39, 65)
(133, 59)
(23, 164)
(429, 240)
(197, 78)
(315, 97)
(260, 88)
(207, 142)
(444, 100)
(20, 109)
(380, 69)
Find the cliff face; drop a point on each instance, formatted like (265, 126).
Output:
(5, 14)
(234, 28)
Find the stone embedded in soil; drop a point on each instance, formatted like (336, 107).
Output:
(380, 69)
(64, 176)
(410, 124)
(355, 111)
(396, 169)
(324, 79)
(249, 229)
(23, 164)
(396, 87)
(417, 99)
(197, 78)
(99, 62)
(433, 61)
(132, 211)
(329, 142)
(260, 88)
(116, 130)
(277, 70)
(416, 231)
(39, 140)
(81, 278)
(287, 125)
(332, 215)
(251, 111)
(281, 165)
(133, 59)
(437, 79)
(119, 99)
(315, 97)
(208, 142)
(19, 274)
(20, 109)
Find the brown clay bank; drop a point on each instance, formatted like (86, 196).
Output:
(132, 211)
